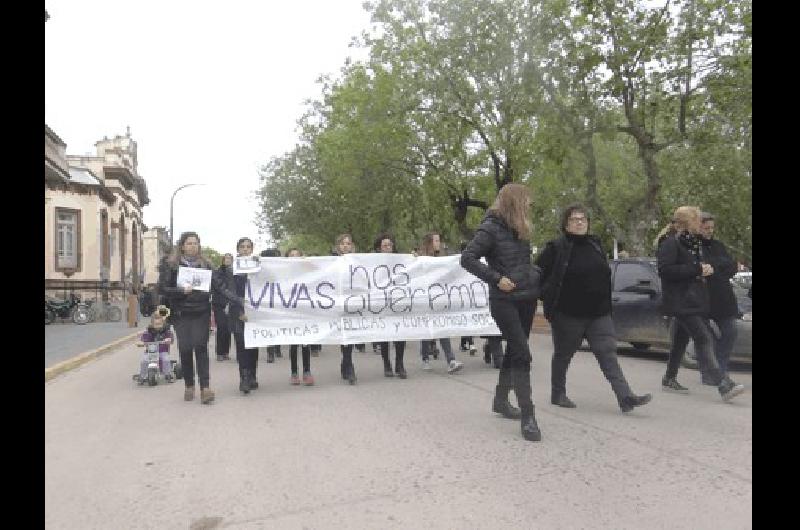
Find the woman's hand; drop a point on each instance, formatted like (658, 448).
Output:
(243, 317)
(506, 285)
(187, 288)
(708, 270)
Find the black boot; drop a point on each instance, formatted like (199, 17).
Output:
(270, 354)
(351, 374)
(561, 399)
(244, 381)
(387, 365)
(399, 369)
(500, 404)
(530, 429)
(522, 388)
(253, 380)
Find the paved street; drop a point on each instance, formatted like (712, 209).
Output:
(387, 453)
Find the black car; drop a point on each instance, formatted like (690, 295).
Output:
(636, 310)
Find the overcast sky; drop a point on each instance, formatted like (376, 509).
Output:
(210, 91)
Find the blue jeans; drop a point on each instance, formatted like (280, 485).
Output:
(425, 349)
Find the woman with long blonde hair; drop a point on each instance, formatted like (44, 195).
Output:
(503, 237)
(684, 281)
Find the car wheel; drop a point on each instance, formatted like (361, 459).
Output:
(640, 345)
(689, 357)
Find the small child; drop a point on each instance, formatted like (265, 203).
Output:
(157, 331)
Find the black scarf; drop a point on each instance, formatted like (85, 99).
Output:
(692, 242)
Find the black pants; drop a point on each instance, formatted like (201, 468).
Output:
(192, 332)
(306, 352)
(347, 357)
(696, 328)
(223, 341)
(514, 318)
(568, 333)
(246, 357)
(399, 350)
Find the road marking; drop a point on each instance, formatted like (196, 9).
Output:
(83, 358)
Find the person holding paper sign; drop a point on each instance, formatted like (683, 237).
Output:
(233, 288)
(385, 243)
(344, 245)
(503, 237)
(190, 313)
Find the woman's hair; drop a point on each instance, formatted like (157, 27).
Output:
(376, 245)
(242, 240)
(668, 230)
(426, 249)
(682, 216)
(569, 210)
(175, 257)
(293, 249)
(511, 205)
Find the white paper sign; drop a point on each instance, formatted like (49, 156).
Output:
(246, 264)
(199, 279)
(359, 298)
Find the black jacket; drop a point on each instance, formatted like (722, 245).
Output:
(685, 291)
(553, 262)
(230, 289)
(218, 278)
(179, 303)
(723, 301)
(506, 255)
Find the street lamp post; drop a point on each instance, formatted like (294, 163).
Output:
(171, 233)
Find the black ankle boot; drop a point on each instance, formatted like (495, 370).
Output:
(530, 430)
(502, 406)
(253, 380)
(562, 401)
(244, 381)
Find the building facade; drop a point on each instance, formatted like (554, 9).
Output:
(155, 243)
(93, 217)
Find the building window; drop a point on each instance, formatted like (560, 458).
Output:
(68, 239)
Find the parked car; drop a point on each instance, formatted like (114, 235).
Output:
(636, 310)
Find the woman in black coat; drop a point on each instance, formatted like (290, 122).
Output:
(684, 281)
(344, 245)
(232, 287)
(503, 238)
(190, 314)
(576, 283)
(219, 304)
(723, 307)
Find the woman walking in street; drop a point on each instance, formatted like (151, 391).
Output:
(684, 281)
(344, 245)
(432, 246)
(190, 313)
(576, 283)
(503, 237)
(308, 379)
(385, 243)
(219, 304)
(233, 287)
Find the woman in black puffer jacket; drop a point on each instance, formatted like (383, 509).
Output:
(190, 314)
(684, 284)
(503, 238)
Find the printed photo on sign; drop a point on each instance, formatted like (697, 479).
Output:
(246, 264)
(199, 279)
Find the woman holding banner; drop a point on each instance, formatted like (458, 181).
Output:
(233, 288)
(385, 243)
(190, 313)
(503, 237)
(344, 245)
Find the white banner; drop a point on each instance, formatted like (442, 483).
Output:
(359, 298)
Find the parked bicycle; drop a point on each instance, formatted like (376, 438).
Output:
(103, 310)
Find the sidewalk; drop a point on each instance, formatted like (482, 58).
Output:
(64, 341)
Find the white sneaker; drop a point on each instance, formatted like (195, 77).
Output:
(455, 366)
(426, 365)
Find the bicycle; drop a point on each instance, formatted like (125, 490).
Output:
(104, 311)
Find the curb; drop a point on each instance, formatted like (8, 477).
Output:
(83, 358)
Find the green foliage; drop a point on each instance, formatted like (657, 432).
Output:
(630, 107)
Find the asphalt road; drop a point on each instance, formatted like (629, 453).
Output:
(425, 452)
